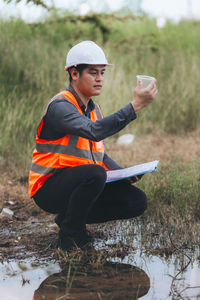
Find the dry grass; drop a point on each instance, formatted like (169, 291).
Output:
(35, 73)
(14, 195)
(163, 147)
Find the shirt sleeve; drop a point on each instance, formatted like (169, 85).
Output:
(63, 118)
(110, 163)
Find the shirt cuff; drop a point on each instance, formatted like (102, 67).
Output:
(129, 112)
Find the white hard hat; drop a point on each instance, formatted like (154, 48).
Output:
(86, 52)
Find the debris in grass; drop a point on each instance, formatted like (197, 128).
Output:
(6, 212)
(125, 139)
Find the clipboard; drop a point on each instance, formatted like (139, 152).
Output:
(115, 175)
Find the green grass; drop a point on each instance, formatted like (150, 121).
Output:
(32, 60)
(174, 189)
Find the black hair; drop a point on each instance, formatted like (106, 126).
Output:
(79, 68)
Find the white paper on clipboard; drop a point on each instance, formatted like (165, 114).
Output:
(120, 174)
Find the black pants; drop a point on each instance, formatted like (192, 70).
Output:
(80, 195)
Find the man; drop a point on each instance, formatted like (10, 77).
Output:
(68, 171)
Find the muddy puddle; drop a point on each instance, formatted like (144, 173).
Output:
(131, 278)
(19, 280)
(120, 268)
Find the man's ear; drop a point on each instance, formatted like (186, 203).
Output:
(74, 74)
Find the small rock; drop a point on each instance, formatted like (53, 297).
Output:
(11, 203)
(53, 226)
(18, 217)
(125, 139)
(6, 212)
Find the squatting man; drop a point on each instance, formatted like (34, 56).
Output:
(68, 170)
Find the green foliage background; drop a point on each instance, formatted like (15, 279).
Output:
(32, 60)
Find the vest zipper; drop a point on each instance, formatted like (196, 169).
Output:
(92, 152)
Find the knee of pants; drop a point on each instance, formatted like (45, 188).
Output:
(138, 207)
(97, 174)
(144, 202)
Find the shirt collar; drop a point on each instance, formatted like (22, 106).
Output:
(80, 102)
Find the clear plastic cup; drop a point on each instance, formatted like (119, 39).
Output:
(146, 80)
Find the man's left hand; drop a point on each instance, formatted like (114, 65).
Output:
(134, 178)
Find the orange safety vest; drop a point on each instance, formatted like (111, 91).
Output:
(68, 151)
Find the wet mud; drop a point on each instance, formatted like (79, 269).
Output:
(25, 239)
(29, 231)
(115, 281)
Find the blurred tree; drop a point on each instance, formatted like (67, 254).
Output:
(129, 6)
(134, 5)
(36, 2)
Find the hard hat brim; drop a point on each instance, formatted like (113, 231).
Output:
(67, 67)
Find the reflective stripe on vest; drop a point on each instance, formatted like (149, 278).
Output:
(68, 151)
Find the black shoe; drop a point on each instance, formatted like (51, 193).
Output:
(82, 241)
(88, 236)
(58, 219)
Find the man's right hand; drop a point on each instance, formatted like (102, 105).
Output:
(143, 97)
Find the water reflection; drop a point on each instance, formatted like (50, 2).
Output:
(112, 281)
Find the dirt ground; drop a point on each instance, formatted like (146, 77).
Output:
(32, 232)
(163, 147)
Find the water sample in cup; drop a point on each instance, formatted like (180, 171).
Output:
(146, 80)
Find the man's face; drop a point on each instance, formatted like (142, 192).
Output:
(90, 82)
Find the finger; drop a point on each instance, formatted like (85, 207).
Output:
(152, 84)
(150, 87)
(140, 176)
(155, 93)
(139, 84)
(132, 179)
(153, 90)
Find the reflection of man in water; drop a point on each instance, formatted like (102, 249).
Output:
(114, 281)
(68, 171)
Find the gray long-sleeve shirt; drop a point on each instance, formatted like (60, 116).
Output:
(63, 118)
